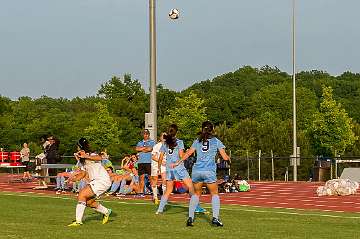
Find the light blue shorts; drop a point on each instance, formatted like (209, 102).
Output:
(135, 178)
(203, 177)
(177, 174)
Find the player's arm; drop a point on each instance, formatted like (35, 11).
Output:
(224, 155)
(181, 156)
(77, 176)
(155, 157)
(188, 153)
(160, 161)
(91, 157)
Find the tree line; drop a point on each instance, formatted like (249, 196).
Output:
(251, 108)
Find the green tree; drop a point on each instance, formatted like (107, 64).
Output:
(125, 98)
(188, 113)
(102, 131)
(332, 128)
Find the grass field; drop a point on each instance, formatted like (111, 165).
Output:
(35, 216)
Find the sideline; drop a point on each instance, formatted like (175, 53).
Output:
(225, 207)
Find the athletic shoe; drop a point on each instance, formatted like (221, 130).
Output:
(156, 201)
(106, 216)
(58, 192)
(75, 224)
(158, 213)
(190, 222)
(216, 222)
(200, 209)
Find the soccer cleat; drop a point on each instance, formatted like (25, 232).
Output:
(58, 192)
(190, 222)
(106, 216)
(75, 224)
(200, 209)
(216, 222)
(156, 201)
(159, 213)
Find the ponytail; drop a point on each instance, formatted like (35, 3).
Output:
(170, 136)
(206, 131)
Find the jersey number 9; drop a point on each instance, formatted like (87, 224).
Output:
(205, 146)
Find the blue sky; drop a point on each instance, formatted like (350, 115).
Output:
(69, 48)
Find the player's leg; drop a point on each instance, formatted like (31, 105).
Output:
(153, 181)
(163, 178)
(194, 202)
(215, 203)
(165, 196)
(83, 197)
(99, 208)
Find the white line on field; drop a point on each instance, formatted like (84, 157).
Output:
(223, 207)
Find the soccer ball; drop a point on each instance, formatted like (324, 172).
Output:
(174, 14)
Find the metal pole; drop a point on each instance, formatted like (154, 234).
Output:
(294, 92)
(259, 163)
(272, 166)
(152, 28)
(248, 165)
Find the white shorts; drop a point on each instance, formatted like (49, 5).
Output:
(100, 186)
(155, 169)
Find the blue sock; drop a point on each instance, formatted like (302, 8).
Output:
(163, 202)
(82, 184)
(62, 182)
(122, 186)
(215, 203)
(194, 202)
(114, 187)
(58, 182)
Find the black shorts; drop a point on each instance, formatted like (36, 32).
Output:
(144, 168)
(27, 164)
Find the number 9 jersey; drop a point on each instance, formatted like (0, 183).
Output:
(205, 154)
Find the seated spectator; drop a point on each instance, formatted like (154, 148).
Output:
(180, 187)
(75, 175)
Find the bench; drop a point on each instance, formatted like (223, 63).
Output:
(42, 183)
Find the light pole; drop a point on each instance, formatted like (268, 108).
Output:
(152, 37)
(294, 94)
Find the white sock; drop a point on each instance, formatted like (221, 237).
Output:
(155, 192)
(80, 208)
(101, 209)
(163, 186)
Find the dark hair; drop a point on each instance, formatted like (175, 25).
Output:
(170, 137)
(84, 145)
(206, 131)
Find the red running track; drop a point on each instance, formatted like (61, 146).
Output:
(290, 195)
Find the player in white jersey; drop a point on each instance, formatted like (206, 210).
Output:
(99, 183)
(157, 169)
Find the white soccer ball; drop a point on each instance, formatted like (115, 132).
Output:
(174, 14)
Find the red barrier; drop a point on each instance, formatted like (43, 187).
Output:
(15, 158)
(4, 156)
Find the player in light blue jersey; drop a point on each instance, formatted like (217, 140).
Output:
(173, 149)
(204, 170)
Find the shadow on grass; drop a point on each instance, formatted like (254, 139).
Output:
(98, 217)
